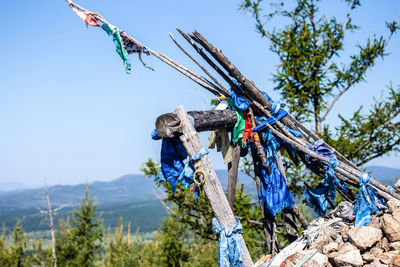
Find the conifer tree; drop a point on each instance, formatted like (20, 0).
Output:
(87, 233)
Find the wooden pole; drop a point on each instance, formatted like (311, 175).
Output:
(233, 168)
(212, 187)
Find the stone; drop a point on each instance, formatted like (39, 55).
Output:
(367, 257)
(388, 257)
(376, 251)
(375, 263)
(331, 247)
(391, 227)
(364, 237)
(263, 259)
(344, 230)
(393, 204)
(395, 262)
(395, 246)
(318, 259)
(352, 257)
(321, 241)
(397, 186)
(396, 215)
(383, 244)
(291, 260)
(375, 222)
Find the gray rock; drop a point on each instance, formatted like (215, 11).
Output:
(383, 244)
(352, 257)
(376, 251)
(364, 237)
(331, 247)
(391, 227)
(318, 260)
(397, 186)
(395, 246)
(393, 204)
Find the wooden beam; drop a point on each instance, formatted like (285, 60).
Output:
(168, 125)
(212, 187)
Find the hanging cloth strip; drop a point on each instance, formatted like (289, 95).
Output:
(115, 33)
(248, 135)
(237, 132)
(131, 46)
(317, 198)
(230, 245)
(274, 194)
(365, 202)
(86, 16)
(173, 168)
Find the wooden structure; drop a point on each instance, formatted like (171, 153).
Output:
(178, 124)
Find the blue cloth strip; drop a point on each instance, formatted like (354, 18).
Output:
(279, 115)
(173, 169)
(365, 202)
(241, 103)
(230, 245)
(317, 198)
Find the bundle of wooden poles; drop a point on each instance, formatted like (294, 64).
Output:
(168, 126)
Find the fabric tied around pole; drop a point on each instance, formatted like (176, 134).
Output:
(241, 103)
(120, 49)
(230, 245)
(365, 202)
(176, 167)
(87, 17)
(318, 198)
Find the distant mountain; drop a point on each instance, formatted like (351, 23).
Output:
(130, 197)
(384, 174)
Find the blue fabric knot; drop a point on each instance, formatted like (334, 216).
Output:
(317, 198)
(175, 167)
(154, 135)
(241, 103)
(275, 105)
(365, 202)
(230, 245)
(262, 121)
(320, 148)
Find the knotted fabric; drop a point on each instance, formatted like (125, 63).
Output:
(173, 169)
(86, 16)
(230, 245)
(365, 202)
(241, 103)
(116, 34)
(317, 198)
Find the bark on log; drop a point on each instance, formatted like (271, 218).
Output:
(212, 187)
(168, 125)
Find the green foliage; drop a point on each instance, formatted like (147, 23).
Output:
(87, 233)
(15, 254)
(82, 241)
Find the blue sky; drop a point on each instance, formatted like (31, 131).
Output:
(69, 113)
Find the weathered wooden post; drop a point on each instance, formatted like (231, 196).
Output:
(212, 187)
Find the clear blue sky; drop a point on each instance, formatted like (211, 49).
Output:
(69, 113)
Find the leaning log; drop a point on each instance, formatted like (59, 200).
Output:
(212, 187)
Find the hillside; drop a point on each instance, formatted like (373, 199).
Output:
(130, 197)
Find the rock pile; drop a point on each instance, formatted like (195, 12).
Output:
(334, 241)
(377, 244)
